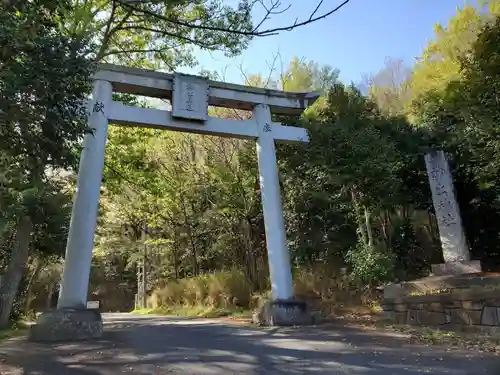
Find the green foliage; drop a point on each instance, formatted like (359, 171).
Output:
(159, 34)
(45, 77)
(302, 76)
(370, 264)
(441, 61)
(44, 80)
(410, 260)
(350, 164)
(389, 88)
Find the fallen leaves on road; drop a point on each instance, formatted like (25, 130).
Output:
(433, 336)
(430, 335)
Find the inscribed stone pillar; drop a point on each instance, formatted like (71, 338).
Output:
(451, 232)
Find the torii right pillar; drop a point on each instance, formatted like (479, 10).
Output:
(283, 309)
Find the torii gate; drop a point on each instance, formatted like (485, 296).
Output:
(190, 96)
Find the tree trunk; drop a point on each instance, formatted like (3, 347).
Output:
(50, 292)
(29, 288)
(251, 263)
(144, 281)
(176, 257)
(368, 224)
(15, 269)
(194, 253)
(176, 264)
(361, 224)
(387, 230)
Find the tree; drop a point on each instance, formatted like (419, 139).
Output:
(303, 76)
(389, 88)
(44, 80)
(440, 62)
(344, 156)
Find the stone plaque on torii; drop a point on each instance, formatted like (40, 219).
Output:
(190, 96)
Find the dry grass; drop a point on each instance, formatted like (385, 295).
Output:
(330, 292)
(195, 311)
(221, 290)
(492, 286)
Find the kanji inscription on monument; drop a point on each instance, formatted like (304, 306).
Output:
(452, 235)
(190, 98)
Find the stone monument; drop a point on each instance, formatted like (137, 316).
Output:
(453, 241)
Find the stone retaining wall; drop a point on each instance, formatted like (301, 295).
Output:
(431, 283)
(480, 308)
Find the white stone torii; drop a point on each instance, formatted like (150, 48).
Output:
(191, 96)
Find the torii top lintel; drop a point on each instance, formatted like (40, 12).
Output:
(160, 85)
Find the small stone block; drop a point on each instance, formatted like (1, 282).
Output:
(400, 307)
(459, 316)
(473, 305)
(416, 306)
(489, 316)
(387, 307)
(412, 317)
(493, 303)
(92, 305)
(456, 268)
(66, 325)
(284, 313)
(447, 317)
(435, 307)
(466, 317)
(474, 316)
(393, 290)
(431, 318)
(452, 304)
(400, 317)
(389, 315)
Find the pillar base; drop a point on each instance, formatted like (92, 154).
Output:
(456, 268)
(283, 313)
(67, 325)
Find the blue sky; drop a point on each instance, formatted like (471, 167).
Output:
(355, 40)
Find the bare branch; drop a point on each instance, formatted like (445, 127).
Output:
(245, 77)
(148, 50)
(270, 11)
(272, 68)
(105, 40)
(315, 10)
(178, 36)
(253, 33)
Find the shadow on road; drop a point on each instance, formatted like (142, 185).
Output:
(159, 345)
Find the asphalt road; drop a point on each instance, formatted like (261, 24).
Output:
(159, 345)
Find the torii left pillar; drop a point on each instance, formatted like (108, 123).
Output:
(72, 320)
